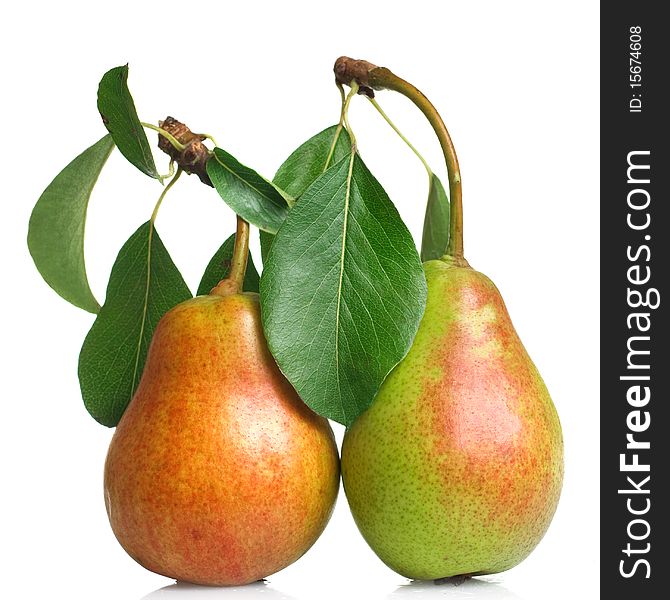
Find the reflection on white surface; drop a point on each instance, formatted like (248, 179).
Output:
(472, 588)
(475, 589)
(187, 591)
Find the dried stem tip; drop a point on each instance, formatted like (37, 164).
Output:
(193, 158)
(348, 69)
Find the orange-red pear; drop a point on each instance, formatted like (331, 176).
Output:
(218, 473)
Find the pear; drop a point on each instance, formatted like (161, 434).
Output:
(456, 468)
(218, 473)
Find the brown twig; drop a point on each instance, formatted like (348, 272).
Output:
(193, 158)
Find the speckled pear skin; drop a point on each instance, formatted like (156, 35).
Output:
(218, 474)
(457, 467)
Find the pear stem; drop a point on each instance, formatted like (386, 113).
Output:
(371, 77)
(238, 267)
(234, 282)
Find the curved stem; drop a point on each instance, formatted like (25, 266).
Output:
(154, 214)
(234, 282)
(170, 172)
(382, 78)
(166, 134)
(401, 136)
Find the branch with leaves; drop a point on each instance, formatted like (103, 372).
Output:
(342, 286)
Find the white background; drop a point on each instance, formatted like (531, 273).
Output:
(517, 84)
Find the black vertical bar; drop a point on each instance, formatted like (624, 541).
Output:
(635, 266)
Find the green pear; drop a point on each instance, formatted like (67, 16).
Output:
(456, 468)
(218, 473)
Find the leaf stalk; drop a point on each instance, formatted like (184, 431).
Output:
(176, 144)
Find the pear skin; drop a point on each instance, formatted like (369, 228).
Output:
(457, 467)
(218, 473)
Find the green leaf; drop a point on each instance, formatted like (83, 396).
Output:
(290, 200)
(343, 291)
(266, 243)
(305, 164)
(58, 222)
(143, 286)
(118, 113)
(310, 159)
(218, 268)
(246, 192)
(436, 222)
